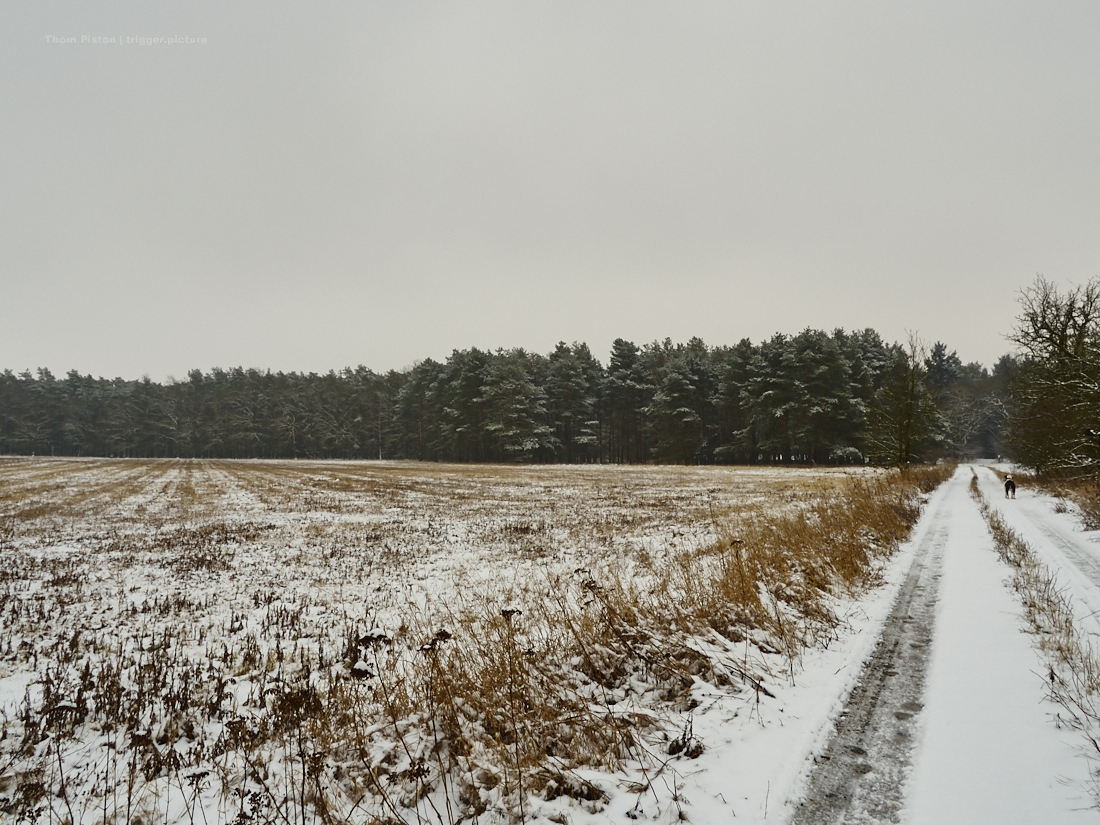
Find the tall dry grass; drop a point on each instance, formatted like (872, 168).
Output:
(1082, 492)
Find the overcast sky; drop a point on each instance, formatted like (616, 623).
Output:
(323, 184)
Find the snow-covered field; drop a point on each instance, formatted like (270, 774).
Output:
(173, 634)
(175, 598)
(365, 538)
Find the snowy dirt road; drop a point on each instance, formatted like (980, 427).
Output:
(959, 730)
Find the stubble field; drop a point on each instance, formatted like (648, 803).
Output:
(193, 641)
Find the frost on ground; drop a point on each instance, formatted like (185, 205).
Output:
(369, 642)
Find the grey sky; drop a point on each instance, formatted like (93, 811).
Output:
(326, 184)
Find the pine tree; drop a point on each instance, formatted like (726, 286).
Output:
(515, 410)
(627, 393)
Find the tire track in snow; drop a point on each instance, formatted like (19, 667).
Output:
(1087, 563)
(859, 775)
(1072, 554)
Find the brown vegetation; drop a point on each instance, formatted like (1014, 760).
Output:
(172, 675)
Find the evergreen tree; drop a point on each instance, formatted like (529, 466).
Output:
(737, 436)
(627, 394)
(515, 410)
(682, 409)
(826, 411)
(416, 412)
(572, 388)
(774, 394)
(461, 400)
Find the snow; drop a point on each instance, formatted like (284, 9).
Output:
(756, 757)
(991, 750)
(1073, 554)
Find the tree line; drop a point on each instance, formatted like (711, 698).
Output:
(814, 397)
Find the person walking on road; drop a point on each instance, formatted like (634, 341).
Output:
(1010, 487)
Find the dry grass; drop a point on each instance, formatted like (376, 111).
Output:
(269, 642)
(1082, 493)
